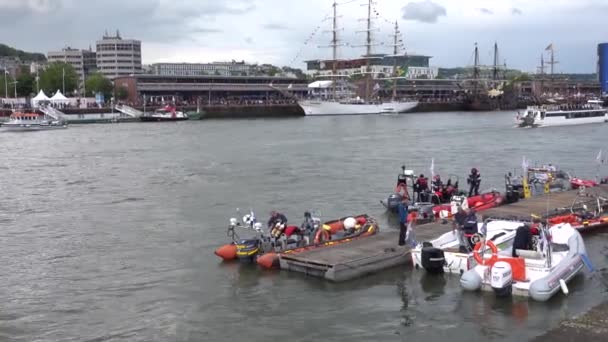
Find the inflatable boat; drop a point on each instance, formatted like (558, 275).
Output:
(444, 254)
(280, 237)
(536, 266)
(333, 232)
(479, 203)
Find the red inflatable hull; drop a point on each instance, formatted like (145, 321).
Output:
(226, 252)
(577, 183)
(479, 203)
(578, 223)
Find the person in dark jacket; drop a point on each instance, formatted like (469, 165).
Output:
(422, 187)
(403, 209)
(276, 217)
(474, 180)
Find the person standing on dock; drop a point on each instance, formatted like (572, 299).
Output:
(402, 208)
(474, 181)
(460, 219)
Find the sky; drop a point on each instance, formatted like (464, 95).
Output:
(288, 32)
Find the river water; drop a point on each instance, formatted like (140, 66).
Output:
(108, 231)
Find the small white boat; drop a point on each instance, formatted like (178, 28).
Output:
(563, 115)
(538, 272)
(22, 122)
(354, 107)
(444, 255)
(167, 113)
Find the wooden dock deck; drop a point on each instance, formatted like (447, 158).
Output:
(372, 254)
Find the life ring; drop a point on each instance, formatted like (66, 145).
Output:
(322, 235)
(478, 257)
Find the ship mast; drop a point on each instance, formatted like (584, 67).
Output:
(495, 68)
(368, 50)
(395, 51)
(334, 44)
(476, 69)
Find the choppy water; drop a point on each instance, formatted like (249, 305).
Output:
(107, 232)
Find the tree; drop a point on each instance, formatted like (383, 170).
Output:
(97, 83)
(25, 84)
(52, 78)
(122, 93)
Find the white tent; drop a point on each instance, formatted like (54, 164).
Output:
(59, 98)
(39, 98)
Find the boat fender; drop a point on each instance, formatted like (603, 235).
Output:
(564, 287)
(478, 257)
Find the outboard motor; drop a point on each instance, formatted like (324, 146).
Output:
(502, 279)
(432, 259)
(392, 202)
(247, 249)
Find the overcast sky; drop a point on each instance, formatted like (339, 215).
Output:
(279, 31)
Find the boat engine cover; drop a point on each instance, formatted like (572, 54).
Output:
(501, 278)
(393, 201)
(432, 259)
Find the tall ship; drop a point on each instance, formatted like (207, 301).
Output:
(342, 100)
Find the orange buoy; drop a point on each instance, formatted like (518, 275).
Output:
(269, 260)
(226, 252)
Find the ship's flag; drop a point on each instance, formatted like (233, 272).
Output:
(377, 86)
(432, 168)
(598, 159)
(549, 47)
(524, 163)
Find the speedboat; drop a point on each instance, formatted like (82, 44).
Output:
(536, 266)
(444, 255)
(22, 122)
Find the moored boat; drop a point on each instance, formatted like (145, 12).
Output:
(22, 122)
(166, 113)
(333, 232)
(536, 266)
(444, 254)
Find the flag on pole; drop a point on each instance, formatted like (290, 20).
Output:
(598, 159)
(432, 168)
(524, 163)
(549, 47)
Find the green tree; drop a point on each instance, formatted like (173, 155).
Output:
(122, 93)
(52, 78)
(97, 83)
(25, 83)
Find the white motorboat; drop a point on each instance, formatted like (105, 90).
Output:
(167, 113)
(444, 254)
(537, 266)
(563, 115)
(326, 107)
(23, 122)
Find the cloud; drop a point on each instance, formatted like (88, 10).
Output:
(516, 11)
(272, 26)
(423, 11)
(485, 11)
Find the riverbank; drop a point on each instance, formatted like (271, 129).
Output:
(591, 326)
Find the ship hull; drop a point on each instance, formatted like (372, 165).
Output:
(338, 108)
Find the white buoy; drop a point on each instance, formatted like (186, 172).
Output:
(564, 287)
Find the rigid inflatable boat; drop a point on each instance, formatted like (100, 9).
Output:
(545, 264)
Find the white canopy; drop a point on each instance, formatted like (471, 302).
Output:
(59, 98)
(40, 97)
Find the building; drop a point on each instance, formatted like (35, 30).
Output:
(200, 69)
(211, 89)
(602, 66)
(118, 57)
(381, 65)
(83, 61)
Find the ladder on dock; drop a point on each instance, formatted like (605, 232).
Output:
(52, 112)
(128, 110)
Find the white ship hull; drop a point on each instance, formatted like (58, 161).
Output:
(312, 107)
(562, 121)
(30, 127)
